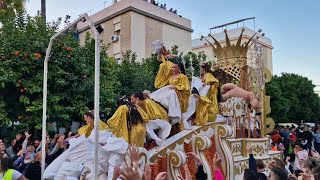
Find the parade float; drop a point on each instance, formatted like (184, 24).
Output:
(229, 137)
(227, 134)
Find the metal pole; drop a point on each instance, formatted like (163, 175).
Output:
(96, 97)
(45, 89)
(44, 108)
(96, 105)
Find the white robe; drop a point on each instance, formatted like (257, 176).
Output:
(164, 128)
(169, 99)
(197, 83)
(79, 157)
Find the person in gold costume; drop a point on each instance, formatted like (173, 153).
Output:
(201, 115)
(213, 94)
(179, 81)
(128, 122)
(154, 109)
(87, 129)
(158, 128)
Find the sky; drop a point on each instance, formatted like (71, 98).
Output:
(293, 26)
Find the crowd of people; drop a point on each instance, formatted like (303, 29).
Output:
(24, 155)
(163, 6)
(300, 147)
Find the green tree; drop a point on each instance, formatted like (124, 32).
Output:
(136, 76)
(293, 99)
(8, 8)
(70, 78)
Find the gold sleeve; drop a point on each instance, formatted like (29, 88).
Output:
(118, 123)
(102, 126)
(210, 79)
(144, 115)
(183, 84)
(85, 130)
(155, 111)
(164, 74)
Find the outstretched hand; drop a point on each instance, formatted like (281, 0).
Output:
(116, 172)
(195, 157)
(249, 148)
(216, 160)
(27, 135)
(147, 172)
(134, 153)
(161, 176)
(187, 172)
(131, 172)
(18, 136)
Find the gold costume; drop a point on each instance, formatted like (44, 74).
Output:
(182, 85)
(164, 73)
(87, 129)
(153, 109)
(202, 110)
(118, 125)
(212, 95)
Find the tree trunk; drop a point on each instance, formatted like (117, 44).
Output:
(43, 10)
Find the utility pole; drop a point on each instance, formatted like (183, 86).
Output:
(43, 10)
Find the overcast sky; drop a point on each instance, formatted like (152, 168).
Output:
(293, 26)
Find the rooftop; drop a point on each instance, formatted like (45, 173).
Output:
(139, 6)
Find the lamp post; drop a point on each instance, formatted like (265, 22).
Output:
(82, 18)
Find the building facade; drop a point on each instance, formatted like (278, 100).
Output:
(265, 44)
(135, 24)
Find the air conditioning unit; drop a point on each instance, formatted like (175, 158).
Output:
(114, 38)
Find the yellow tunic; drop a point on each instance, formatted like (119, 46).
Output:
(88, 128)
(164, 73)
(182, 85)
(202, 111)
(153, 109)
(212, 95)
(118, 126)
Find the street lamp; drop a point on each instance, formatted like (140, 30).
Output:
(95, 31)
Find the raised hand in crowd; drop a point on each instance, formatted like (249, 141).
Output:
(116, 172)
(131, 172)
(195, 157)
(18, 136)
(134, 153)
(27, 135)
(216, 161)
(147, 172)
(187, 173)
(249, 148)
(131, 169)
(161, 176)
